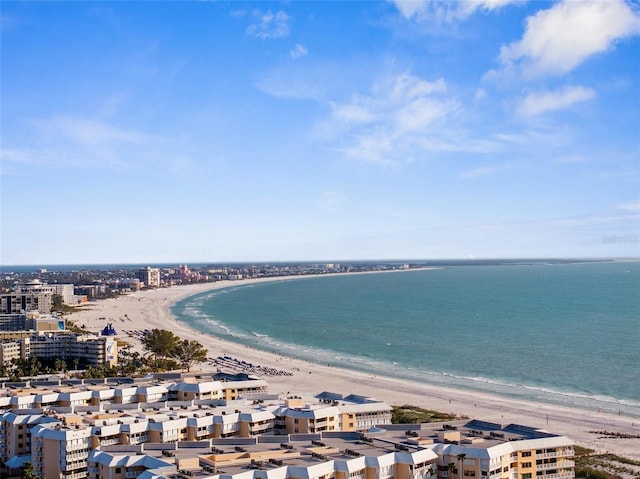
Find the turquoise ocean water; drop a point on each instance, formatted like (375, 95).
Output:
(560, 333)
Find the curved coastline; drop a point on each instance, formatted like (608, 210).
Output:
(184, 311)
(152, 309)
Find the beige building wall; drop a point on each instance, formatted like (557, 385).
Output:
(50, 450)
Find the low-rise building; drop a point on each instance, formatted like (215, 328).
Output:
(86, 432)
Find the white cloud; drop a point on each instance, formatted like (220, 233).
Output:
(480, 94)
(559, 39)
(406, 86)
(632, 206)
(541, 102)
(270, 25)
(298, 51)
(352, 113)
(401, 117)
(445, 10)
(420, 113)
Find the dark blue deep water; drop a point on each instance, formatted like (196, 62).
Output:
(563, 333)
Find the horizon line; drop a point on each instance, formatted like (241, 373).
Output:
(377, 261)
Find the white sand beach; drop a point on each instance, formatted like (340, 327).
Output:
(150, 309)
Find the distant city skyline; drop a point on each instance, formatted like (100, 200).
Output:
(191, 132)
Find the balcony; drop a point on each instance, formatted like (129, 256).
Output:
(77, 475)
(570, 474)
(550, 455)
(555, 465)
(72, 466)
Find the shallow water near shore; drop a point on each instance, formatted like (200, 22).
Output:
(560, 333)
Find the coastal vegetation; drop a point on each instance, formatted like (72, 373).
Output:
(169, 350)
(592, 465)
(407, 414)
(58, 305)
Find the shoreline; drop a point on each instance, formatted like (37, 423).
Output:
(151, 309)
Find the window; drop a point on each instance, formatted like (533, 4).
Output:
(470, 473)
(526, 476)
(118, 470)
(526, 454)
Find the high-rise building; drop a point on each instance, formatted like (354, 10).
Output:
(149, 276)
(28, 296)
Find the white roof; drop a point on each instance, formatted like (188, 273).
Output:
(172, 424)
(351, 465)
(198, 387)
(76, 395)
(313, 471)
(255, 416)
(366, 407)
(309, 413)
(415, 457)
(127, 460)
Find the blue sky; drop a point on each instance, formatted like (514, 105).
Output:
(211, 131)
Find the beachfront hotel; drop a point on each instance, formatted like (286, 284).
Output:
(150, 277)
(89, 349)
(229, 429)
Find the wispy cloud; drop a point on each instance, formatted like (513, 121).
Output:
(61, 156)
(631, 206)
(395, 118)
(477, 172)
(76, 141)
(331, 201)
(541, 102)
(446, 11)
(88, 132)
(562, 37)
(298, 51)
(270, 25)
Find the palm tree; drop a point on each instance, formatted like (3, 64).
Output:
(461, 457)
(189, 352)
(59, 365)
(451, 466)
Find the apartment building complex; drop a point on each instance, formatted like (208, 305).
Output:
(87, 349)
(158, 430)
(28, 296)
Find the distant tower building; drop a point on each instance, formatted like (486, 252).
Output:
(149, 276)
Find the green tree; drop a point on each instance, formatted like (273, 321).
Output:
(28, 471)
(60, 365)
(189, 352)
(25, 367)
(161, 343)
(129, 361)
